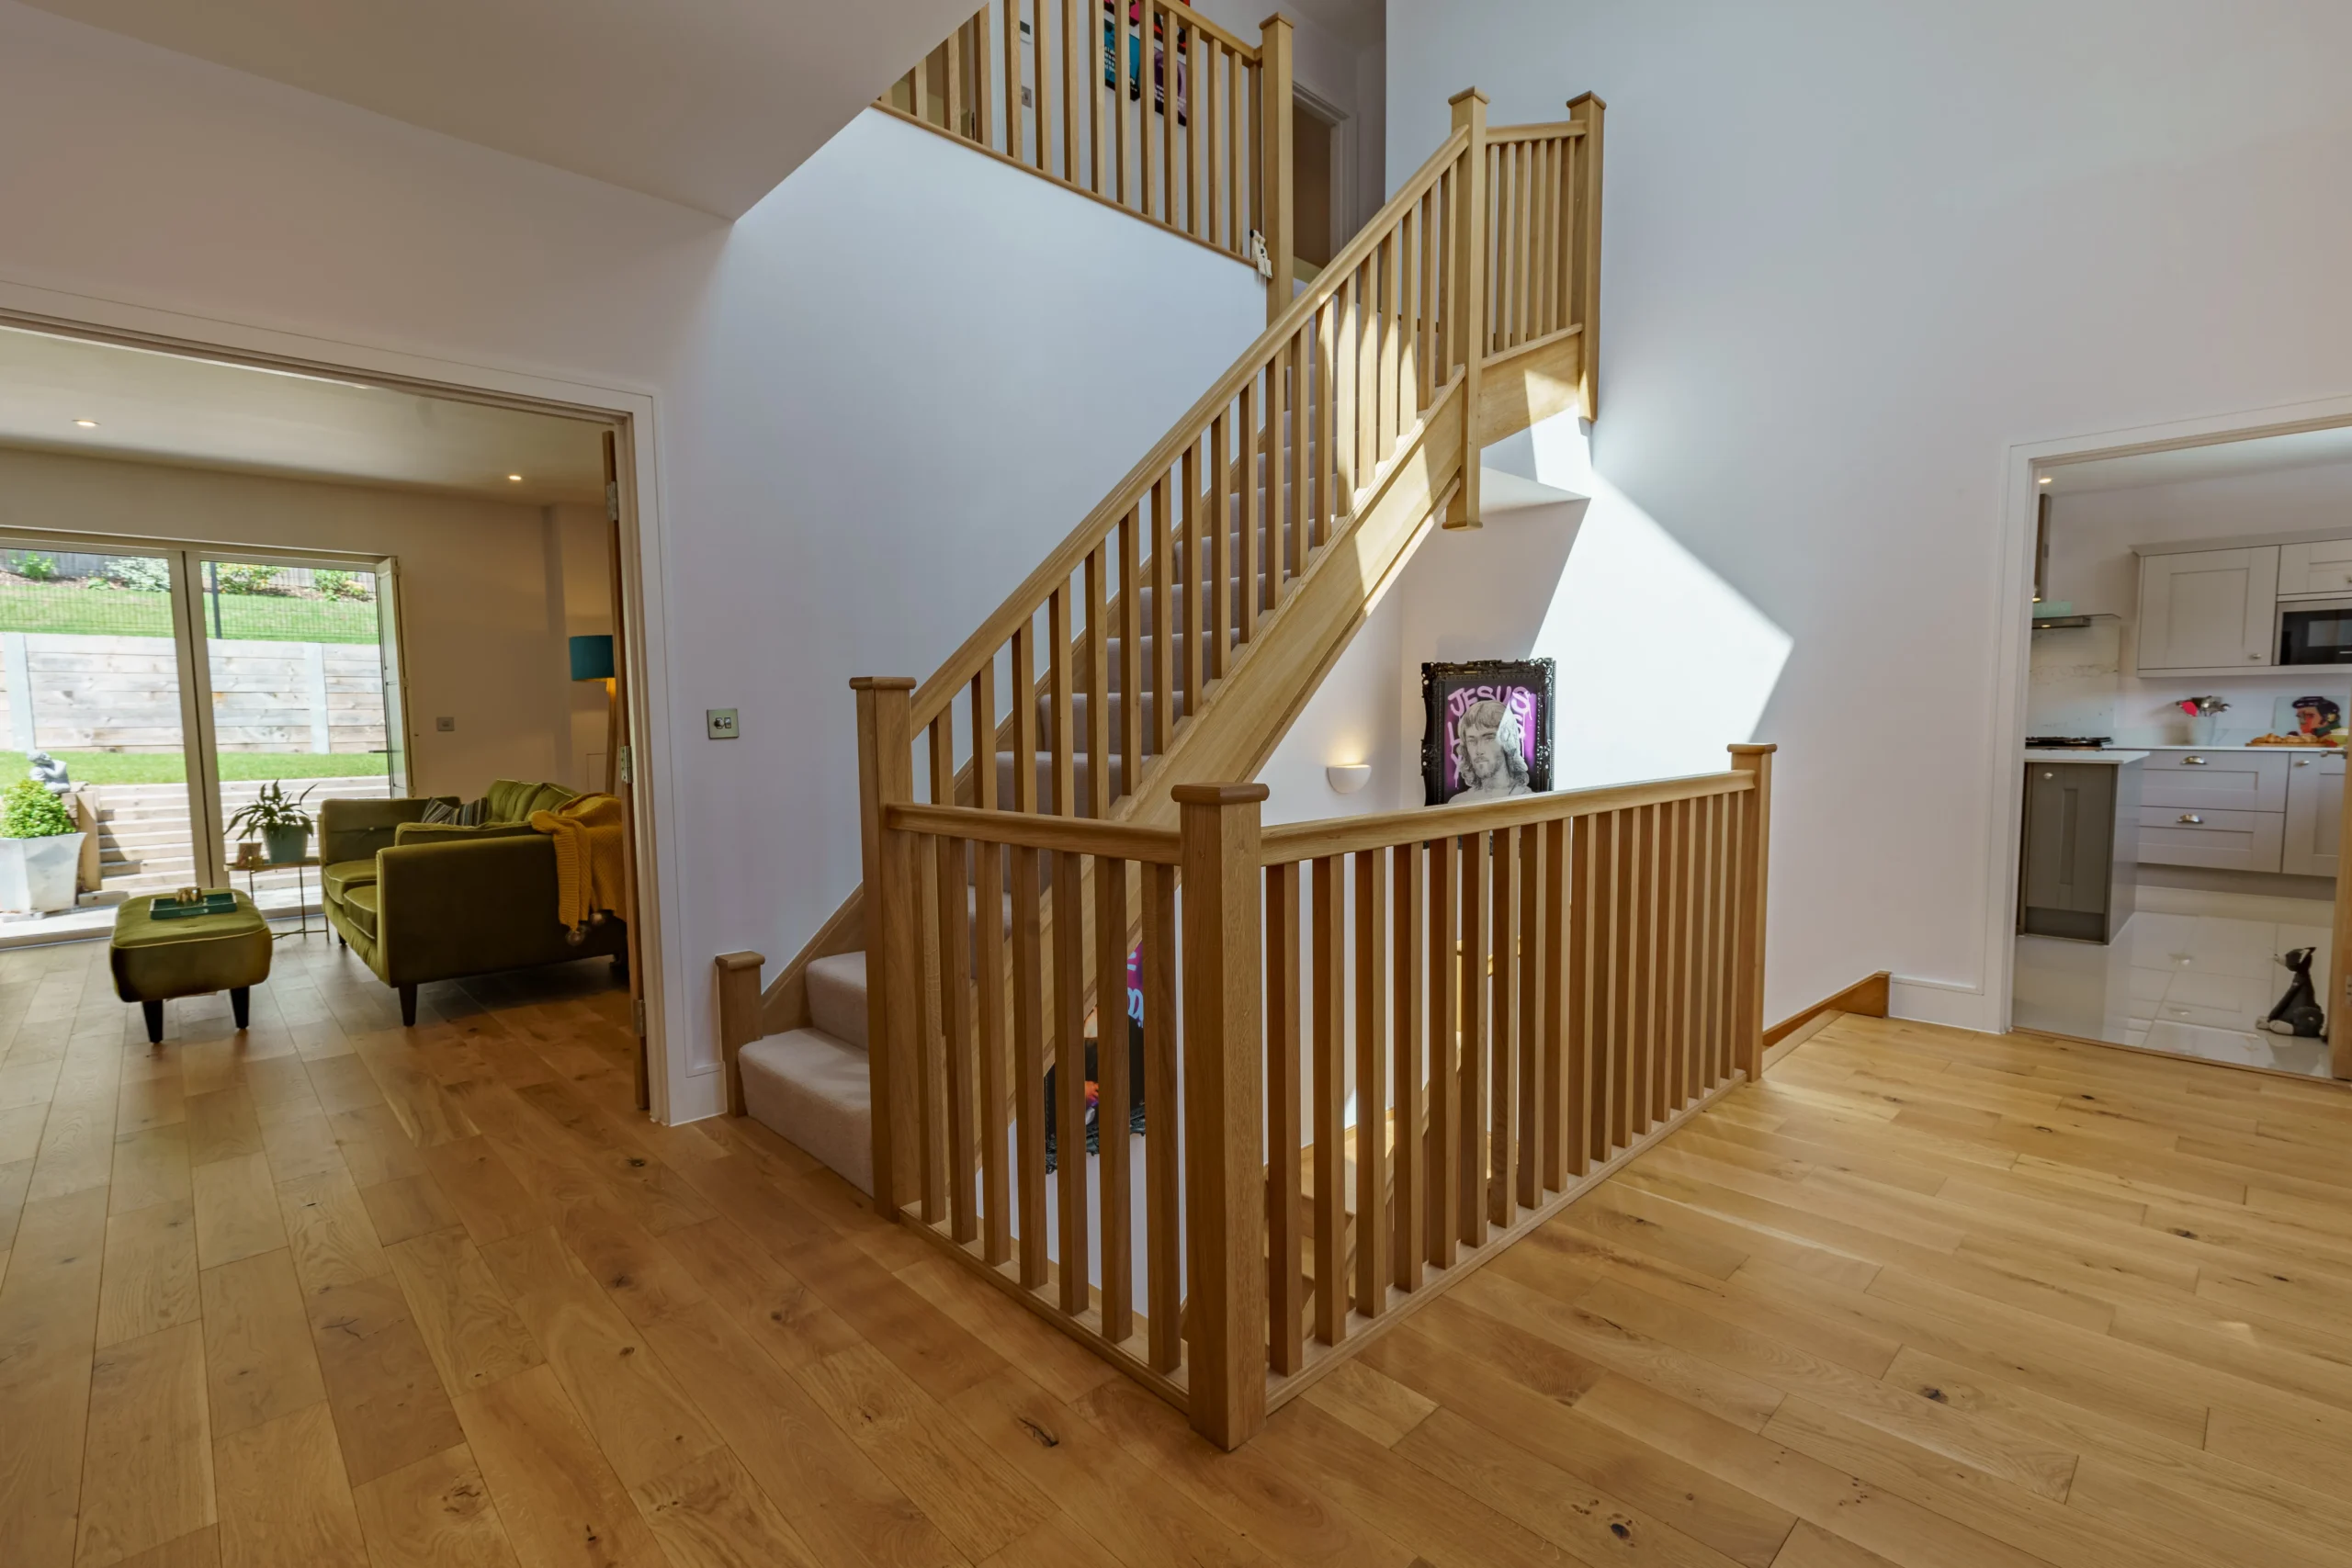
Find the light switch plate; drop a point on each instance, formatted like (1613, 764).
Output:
(445, 726)
(720, 723)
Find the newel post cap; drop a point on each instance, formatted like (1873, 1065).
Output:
(882, 683)
(1219, 793)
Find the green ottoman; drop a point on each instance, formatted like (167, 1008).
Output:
(154, 960)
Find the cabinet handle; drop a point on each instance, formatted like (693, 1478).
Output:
(2302, 762)
(2192, 820)
(2192, 761)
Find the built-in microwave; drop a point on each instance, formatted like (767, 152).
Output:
(2316, 631)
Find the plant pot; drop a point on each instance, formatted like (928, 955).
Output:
(38, 875)
(286, 845)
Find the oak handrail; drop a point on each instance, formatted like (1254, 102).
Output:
(1021, 604)
(1030, 830)
(1386, 830)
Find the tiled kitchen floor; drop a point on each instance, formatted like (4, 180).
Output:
(2194, 984)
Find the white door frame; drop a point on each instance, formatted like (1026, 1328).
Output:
(633, 411)
(2012, 634)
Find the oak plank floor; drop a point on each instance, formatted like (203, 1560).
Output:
(330, 1291)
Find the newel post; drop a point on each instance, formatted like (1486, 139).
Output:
(1465, 295)
(1223, 1117)
(1274, 152)
(886, 777)
(1756, 822)
(739, 1020)
(1584, 279)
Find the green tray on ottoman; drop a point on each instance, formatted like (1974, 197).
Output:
(157, 957)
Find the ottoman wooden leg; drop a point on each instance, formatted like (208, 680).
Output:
(408, 1006)
(241, 1004)
(154, 1011)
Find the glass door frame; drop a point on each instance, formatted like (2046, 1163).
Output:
(200, 746)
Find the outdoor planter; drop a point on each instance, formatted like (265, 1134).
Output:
(38, 874)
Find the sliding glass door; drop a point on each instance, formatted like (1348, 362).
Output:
(171, 685)
(296, 702)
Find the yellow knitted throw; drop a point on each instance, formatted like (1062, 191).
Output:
(588, 869)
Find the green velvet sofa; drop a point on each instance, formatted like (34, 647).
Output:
(418, 901)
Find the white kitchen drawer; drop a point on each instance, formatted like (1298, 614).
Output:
(2314, 816)
(2222, 779)
(2312, 569)
(2226, 840)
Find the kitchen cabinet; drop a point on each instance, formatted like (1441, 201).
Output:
(2226, 779)
(2314, 819)
(2078, 849)
(2321, 569)
(2212, 836)
(2207, 609)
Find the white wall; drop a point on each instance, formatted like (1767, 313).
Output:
(2092, 566)
(483, 637)
(1853, 254)
(880, 394)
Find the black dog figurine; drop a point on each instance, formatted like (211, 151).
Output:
(2298, 1011)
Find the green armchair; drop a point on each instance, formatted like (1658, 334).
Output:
(418, 901)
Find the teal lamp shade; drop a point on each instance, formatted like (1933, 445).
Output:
(592, 658)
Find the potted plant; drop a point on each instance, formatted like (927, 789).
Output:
(284, 826)
(40, 849)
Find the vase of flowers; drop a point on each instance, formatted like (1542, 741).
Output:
(2204, 716)
(284, 826)
(40, 849)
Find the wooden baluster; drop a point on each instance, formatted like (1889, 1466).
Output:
(1273, 173)
(1191, 523)
(1645, 971)
(1466, 282)
(1023, 695)
(1253, 513)
(1329, 1089)
(1590, 916)
(1100, 792)
(983, 79)
(1372, 1071)
(885, 778)
(1632, 1085)
(996, 1211)
(1097, 141)
(1676, 959)
(922, 89)
(1553, 958)
(1689, 1081)
(1523, 243)
(1535, 1082)
(1062, 795)
(1163, 1160)
(1702, 956)
(1346, 384)
(1043, 69)
(1718, 954)
(1225, 1201)
(1443, 1152)
(1297, 413)
(1735, 886)
(1617, 1043)
(1171, 134)
(1502, 1013)
(1029, 1063)
(930, 1054)
(955, 74)
(1547, 271)
(1750, 1038)
(1364, 338)
(1148, 131)
(1131, 732)
(1115, 1106)
(1408, 296)
(955, 1018)
(1070, 1081)
(1224, 520)
(1408, 1032)
(1009, 41)
(1477, 952)
(1286, 1283)
(1122, 79)
(1661, 984)
(1236, 117)
(1075, 61)
(1163, 619)
(1576, 1001)
(1212, 110)
(1184, 87)
(1585, 268)
(1392, 334)
(1327, 428)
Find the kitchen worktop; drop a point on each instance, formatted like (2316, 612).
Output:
(2241, 746)
(2081, 754)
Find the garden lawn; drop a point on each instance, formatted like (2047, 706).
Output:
(128, 611)
(171, 767)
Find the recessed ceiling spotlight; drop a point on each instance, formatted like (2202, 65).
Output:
(87, 423)
(514, 478)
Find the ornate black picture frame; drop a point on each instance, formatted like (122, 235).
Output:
(1491, 717)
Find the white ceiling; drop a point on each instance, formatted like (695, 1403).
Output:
(165, 408)
(2220, 459)
(709, 102)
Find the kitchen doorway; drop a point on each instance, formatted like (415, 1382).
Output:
(2179, 788)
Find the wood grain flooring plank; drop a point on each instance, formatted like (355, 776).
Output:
(472, 1330)
(49, 1308)
(709, 1513)
(560, 1503)
(258, 1362)
(327, 1231)
(434, 1512)
(390, 1410)
(236, 1210)
(147, 1466)
(150, 1275)
(284, 1500)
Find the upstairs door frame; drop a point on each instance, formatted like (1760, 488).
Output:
(687, 1079)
